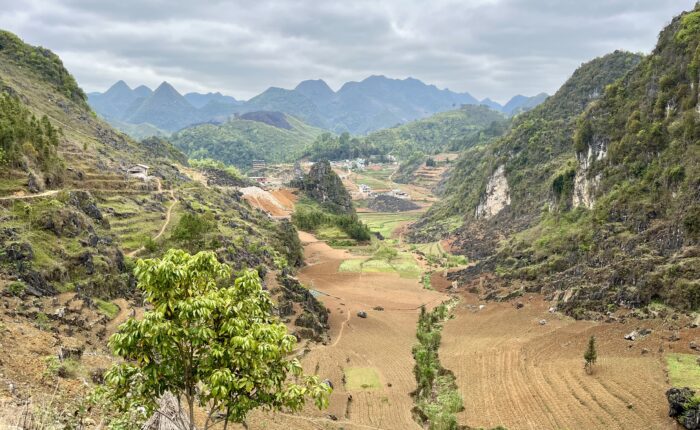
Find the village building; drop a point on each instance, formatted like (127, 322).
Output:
(139, 171)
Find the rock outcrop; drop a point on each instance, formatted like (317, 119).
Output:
(684, 407)
(496, 197)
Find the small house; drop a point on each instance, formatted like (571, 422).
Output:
(139, 171)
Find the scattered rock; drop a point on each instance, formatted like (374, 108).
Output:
(543, 322)
(632, 335)
(552, 310)
(33, 183)
(17, 251)
(332, 417)
(481, 307)
(519, 305)
(694, 346)
(362, 314)
(65, 352)
(378, 308)
(674, 337)
(645, 351)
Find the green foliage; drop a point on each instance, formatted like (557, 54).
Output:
(445, 131)
(208, 163)
(437, 398)
(16, 288)
(23, 137)
(41, 320)
(238, 142)
(591, 355)
(44, 63)
(683, 370)
(109, 309)
(310, 218)
(191, 229)
(214, 344)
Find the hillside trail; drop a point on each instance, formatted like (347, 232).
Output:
(31, 196)
(166, 222)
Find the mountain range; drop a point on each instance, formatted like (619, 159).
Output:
(374, 103)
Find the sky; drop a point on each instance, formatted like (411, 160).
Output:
(489, 48)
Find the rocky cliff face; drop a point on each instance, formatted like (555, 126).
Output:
(496, 197)
(324, 185)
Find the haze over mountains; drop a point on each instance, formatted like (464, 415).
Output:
(357, 107)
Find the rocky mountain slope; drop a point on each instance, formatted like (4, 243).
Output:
(592, 197)
(73, 221)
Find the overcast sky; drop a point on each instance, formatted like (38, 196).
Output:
(490, 48)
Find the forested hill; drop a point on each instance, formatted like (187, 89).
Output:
(270, 136)
(446, 131)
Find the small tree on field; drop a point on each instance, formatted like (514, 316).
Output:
(211, 344)
(591, 355)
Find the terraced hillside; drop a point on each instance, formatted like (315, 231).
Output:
(79, 203)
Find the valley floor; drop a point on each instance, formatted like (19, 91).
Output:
(372, 355)
(514, 372)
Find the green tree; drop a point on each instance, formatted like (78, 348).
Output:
(591, 355)
(209, 343)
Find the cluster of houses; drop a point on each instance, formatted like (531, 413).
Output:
(366, 191)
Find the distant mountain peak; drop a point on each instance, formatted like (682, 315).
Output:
(315, 89)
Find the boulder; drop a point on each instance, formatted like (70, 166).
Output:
(362, 314)
(694, 346)
(683, 408)
(632, 335)
(17, 251)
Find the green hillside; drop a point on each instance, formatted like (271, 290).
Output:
(601, 183)
(239, 141)
(446, 131)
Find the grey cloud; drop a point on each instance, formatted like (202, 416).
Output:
(491, 48)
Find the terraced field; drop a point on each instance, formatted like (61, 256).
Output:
(512, 371)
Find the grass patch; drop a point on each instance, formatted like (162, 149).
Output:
(386, 223)
(403, 265)
(109, 309)
(683, 370)
(362, 378)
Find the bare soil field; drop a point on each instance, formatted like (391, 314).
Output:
(515, 372)
(379, 345)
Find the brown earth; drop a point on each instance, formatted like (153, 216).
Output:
(514, 372)
(382, 341)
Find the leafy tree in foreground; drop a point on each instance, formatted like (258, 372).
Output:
(591, 355)
(210, 344)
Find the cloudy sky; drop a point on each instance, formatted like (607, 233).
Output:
(491, 48)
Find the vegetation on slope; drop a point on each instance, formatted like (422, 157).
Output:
(26, 142)
(603, 202)
(240, 141)
(446, 131)
(437, 398)
(43, 63)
